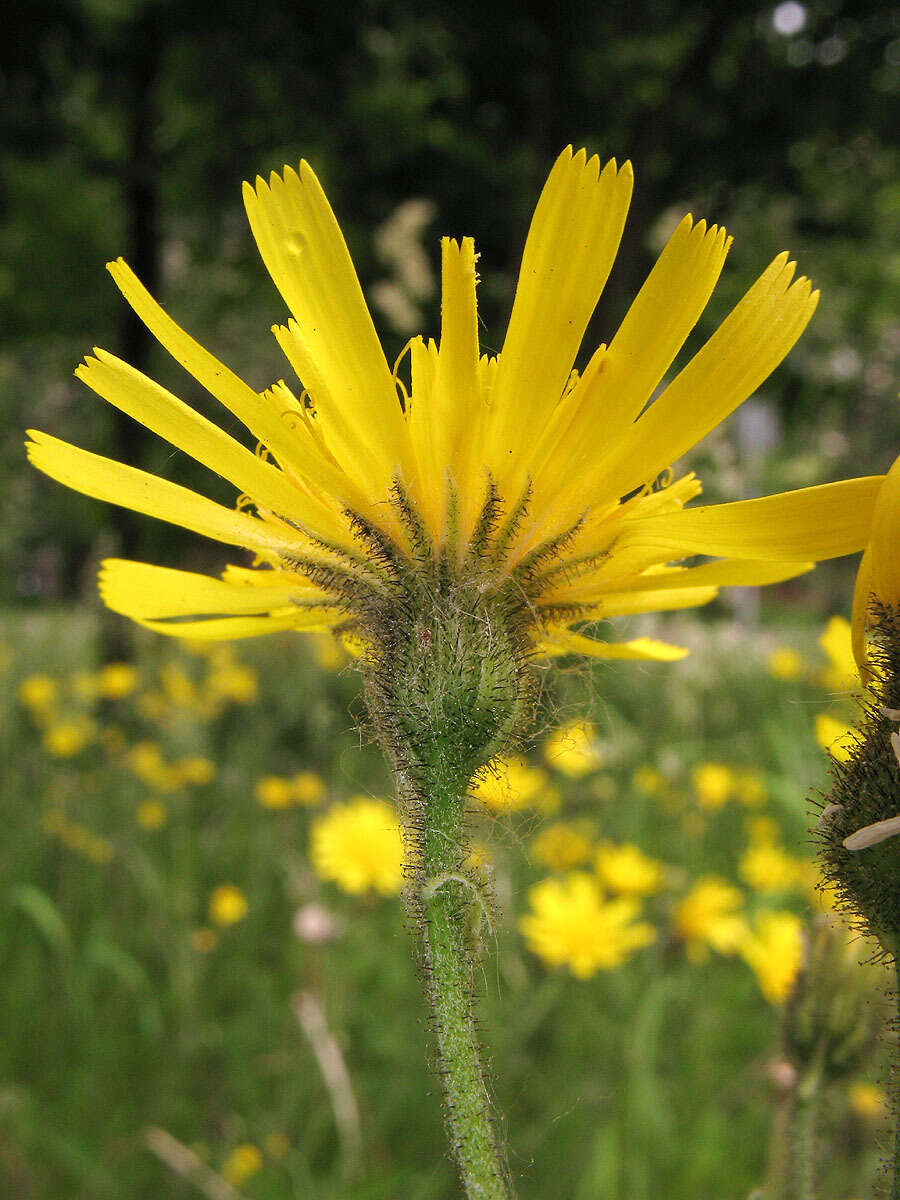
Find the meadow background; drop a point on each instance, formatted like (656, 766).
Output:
(188, 1008)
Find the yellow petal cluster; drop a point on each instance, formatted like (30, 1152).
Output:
(571, 923)
(351, 440)
(358, 846)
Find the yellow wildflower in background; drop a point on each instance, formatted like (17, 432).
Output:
(243, 1162)
(626, 870)
(227, 905)
(572, 924)
(151, 815)
(117, 680)
(649, 780)
(307, 788)
(560, 846)
(713, 783)
(750, 788)
(274, 791)
(767, 867)
(574, 750)
(774, 951)
(835, 736)
(196, 770)
(785, 664)
(513, 434)
(869, 1102)
(38, 692)
(509, 784)
(358, 846)
(709, 917)
(65, 739)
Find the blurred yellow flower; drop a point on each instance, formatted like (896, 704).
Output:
(572, 924)
(785, 664)
(561, 846)
(713, 784)
(151, 815)
(649, 780)
(762, 829)
(626, 870)
(767, 867)
(841, 673)
(38, 692)
(235, 682)
(358, 846)
(750, 788)
(774, 951)
(273, 791)
(116, 680)
(835, 736)
(227, 905)
(243, 1161)
(307, 788)
(328, 652)
(178, 685)
(65, 739)
(574, 750)
(869, 1102)
(85, 685)
(77, 837)
(196, 769)
(709, 917)
(509, 784)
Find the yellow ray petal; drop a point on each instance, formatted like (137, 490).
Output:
(167, 416)
(565, 641)
(105, 479)
(137, 589)
(621, 604)
(862, 595)
(253, 410)
(811, 523)
(884, 547)
(727, 572)
(655, 327)
(573, 239)
(455, 396)
(228, 628)
(306, 255)
(740, 355)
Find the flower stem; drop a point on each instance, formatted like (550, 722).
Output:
(448, 907)
(806, 1132)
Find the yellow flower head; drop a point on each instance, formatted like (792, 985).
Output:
(709, 917)
(626, 870)
(65, 739)
(243, 1161)
(116, 680)
(196, 770)
(151, 815)
(572, 924)
(785, 664)
(227, 905)
(767, 867)
(868, 1102)
(573, 749)
(750, 788)
(487, 463)
(509, 784)
(560, 847)
(649, 780)
(38, 692)
(234, 682)
(774, 951)
(358, 846)
(273, 791)
(307, 788)
(713, 783)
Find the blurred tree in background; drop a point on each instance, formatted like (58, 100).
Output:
(128, 125)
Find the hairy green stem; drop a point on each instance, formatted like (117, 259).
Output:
(806, 1132)
(449, 908)
(895, 1180)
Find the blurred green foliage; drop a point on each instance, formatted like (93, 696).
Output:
(127, 126)
(123, 1012)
